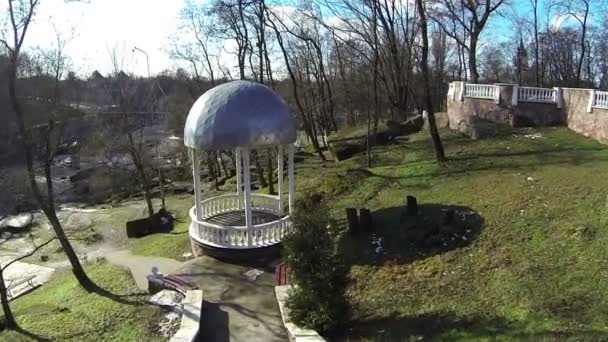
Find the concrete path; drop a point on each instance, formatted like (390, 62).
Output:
(235, 308)
(142, 266)
(19, 271)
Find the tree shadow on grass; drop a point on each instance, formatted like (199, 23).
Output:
(501, 162)
(403, 238)
(31, 335)
(449, 326)
(135, 298)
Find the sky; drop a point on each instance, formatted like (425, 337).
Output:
(100, 26)
(96, 27)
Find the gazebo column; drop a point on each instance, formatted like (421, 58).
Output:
(239, 176)
(247, 184)
(280, 178)
(292, 183)
(196, 175)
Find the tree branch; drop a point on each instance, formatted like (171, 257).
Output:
(30, 253)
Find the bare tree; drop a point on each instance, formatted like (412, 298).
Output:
(9, 317)
(579, 10)
(20, 16)
(232, 25)
(437, 145)
(124, 90)
(194, 42)
(470, 16)
(305, 115)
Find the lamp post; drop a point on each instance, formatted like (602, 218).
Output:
(135, 48)
(160, 178)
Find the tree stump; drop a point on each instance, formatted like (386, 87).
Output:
(412, 206)
(447, 216)
(365, 220)
(352, 219)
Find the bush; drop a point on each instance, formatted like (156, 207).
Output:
(317, 300)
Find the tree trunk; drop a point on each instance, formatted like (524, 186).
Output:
(370, 137)
(579, 67)
(307, 127)
(161, 185)
(223, 164)
(139, 166)
(269, 171)
(472, 58)
(259, 169)
(49, 210)
(77, 269)
(212, 168)
(437, 145)
(9, 318)
(536, 57)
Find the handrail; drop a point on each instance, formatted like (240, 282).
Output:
(238, 237)
(219, 226)
(601, 99)
(536, 94)
(484, 91)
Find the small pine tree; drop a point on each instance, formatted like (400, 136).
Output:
(318, 272)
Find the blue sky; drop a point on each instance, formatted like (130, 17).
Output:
(97, 26)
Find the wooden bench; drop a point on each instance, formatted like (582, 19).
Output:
(21, 281)
(170, 282)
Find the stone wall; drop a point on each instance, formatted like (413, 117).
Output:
(480, 118)
(594, 124)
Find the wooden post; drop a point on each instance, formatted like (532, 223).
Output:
(292, 181)
(412, 206)
(497, 94)
(196, 176)
(247, 184)
(365, 220)
(280, 178)
(352, 219)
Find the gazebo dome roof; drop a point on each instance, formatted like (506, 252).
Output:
(239, 114)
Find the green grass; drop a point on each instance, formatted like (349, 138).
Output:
(536, 269)
(61, 310)
(169, 245)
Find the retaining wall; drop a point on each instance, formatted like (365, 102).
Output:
(479, 117)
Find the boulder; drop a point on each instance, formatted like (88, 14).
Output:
(412, 125)
(17, 221)
(167, 298)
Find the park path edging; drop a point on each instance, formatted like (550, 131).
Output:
(191, 317)
(296, 333)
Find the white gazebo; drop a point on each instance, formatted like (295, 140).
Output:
(240, 116)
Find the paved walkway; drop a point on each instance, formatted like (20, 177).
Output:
(235, 308)
(142, 266)
(18, 271)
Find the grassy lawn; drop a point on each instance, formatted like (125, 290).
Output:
(61, 310)
(169, 245)
(535, 270)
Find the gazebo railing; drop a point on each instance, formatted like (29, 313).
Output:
(238, 237)
(231, 202)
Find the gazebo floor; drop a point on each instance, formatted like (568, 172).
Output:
(237, 218)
